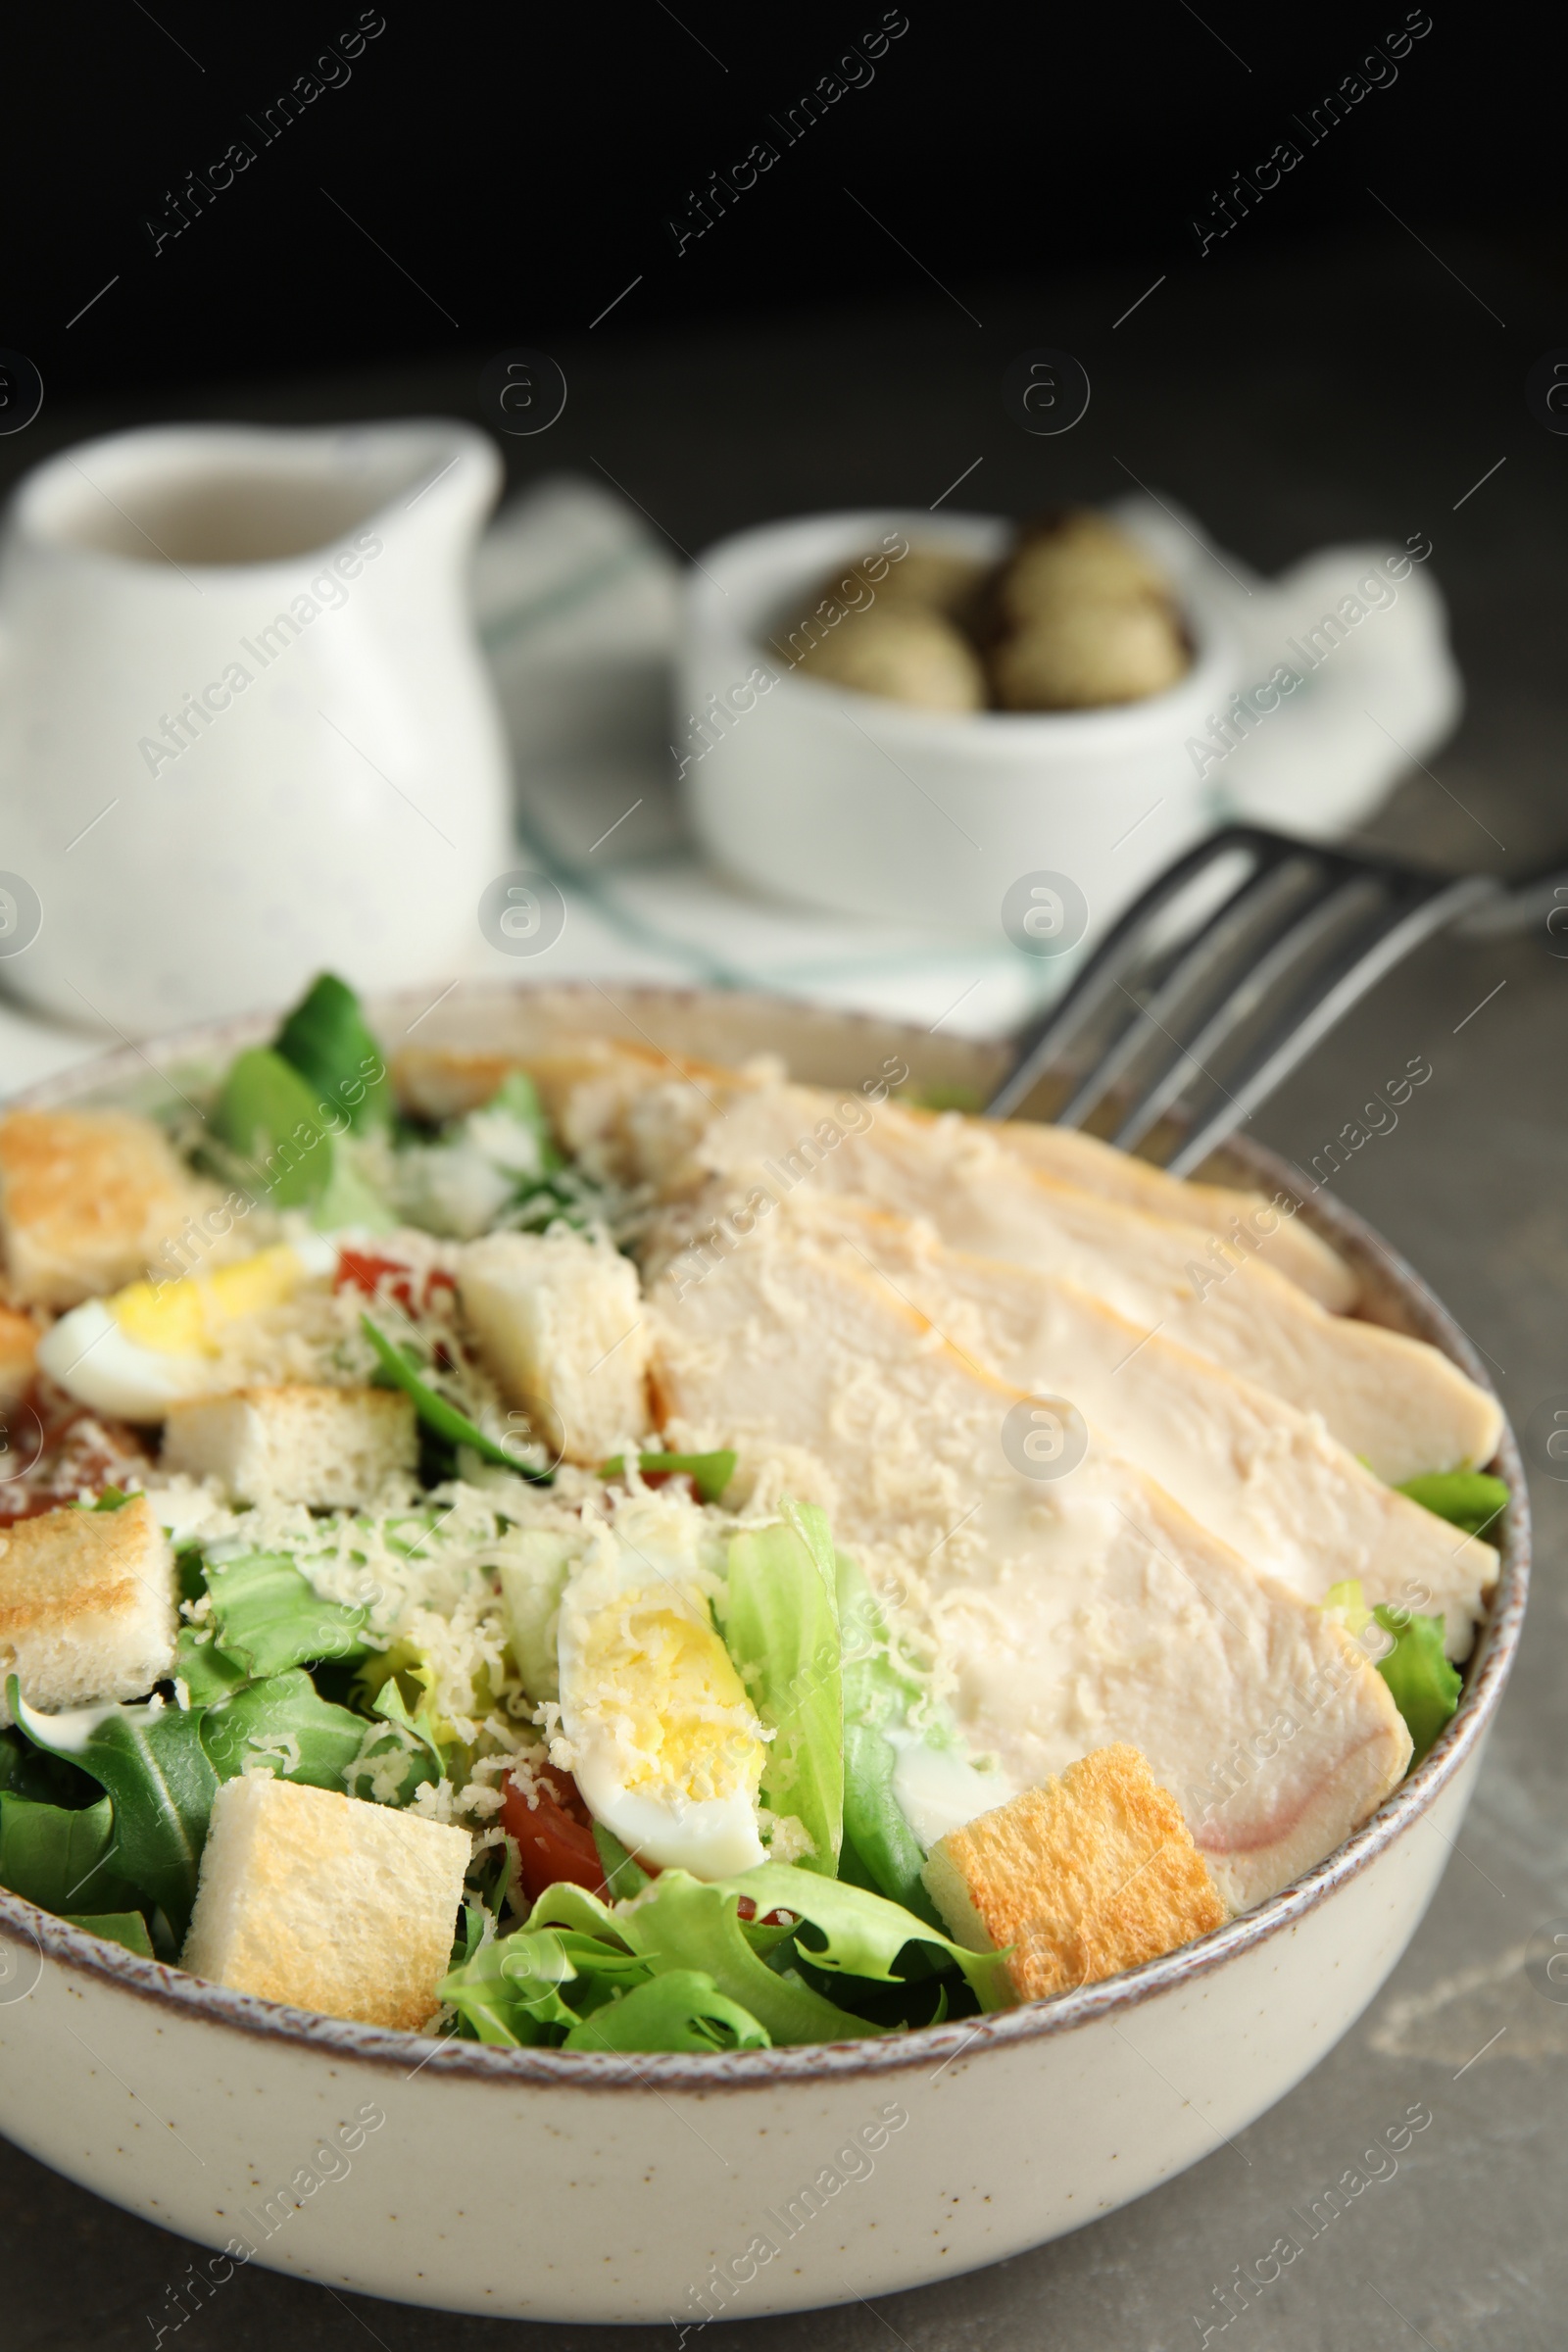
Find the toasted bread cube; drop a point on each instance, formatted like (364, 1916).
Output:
(19, 1349)
(558, 1320)
(325, 1901)
(87, 1606)
(1091, 1874)
(89, 1199)
(332, 1448)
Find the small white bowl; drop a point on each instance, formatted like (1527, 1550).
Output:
(847, 801)
(549, 2184)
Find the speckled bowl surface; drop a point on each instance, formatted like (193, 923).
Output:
(550, 2185)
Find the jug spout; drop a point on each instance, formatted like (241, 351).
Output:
(459, 479)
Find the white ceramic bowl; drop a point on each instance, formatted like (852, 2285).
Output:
(843, 799)
(552, 2186)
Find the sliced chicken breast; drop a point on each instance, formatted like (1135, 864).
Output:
(1067, 1612)
(1267, 1477)
(1394, 1401)
(1291, 1247)
(638, 1114)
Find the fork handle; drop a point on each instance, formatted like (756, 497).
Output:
(1514, 912)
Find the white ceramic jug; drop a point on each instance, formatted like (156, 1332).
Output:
(245, 731)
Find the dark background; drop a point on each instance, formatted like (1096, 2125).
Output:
(521, 164)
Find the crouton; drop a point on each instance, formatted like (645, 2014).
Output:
(1091, 1874)
(332, 1448)
(87, 1200)
(19, 1349)
(86, 1606)
(325, 1901)
(558, 1320)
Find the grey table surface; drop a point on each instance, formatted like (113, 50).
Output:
(1348, 392)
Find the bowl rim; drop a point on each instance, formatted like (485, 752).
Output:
(176, 1992)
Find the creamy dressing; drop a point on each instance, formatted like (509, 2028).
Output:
(937, 1789)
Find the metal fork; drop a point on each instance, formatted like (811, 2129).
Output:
(1215, 983)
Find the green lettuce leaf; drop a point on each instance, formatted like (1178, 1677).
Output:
(533, 1575)
(283, 1725)
(876, 1690)
(623, 1875)
(272, 1130)
(509, 1992)
(390, 1764)
(781, 1625)
(51, 1855)
(577, 1953)
(207, 1671)
(876, 1693)
(682, 1924)
(874, 1826)
(350, 1197)
(267, 1616)
(566, 1905)
(709, 1473)
(469, 1936)
(268, 1116)
(515, 1101)
(151, 1760)
(115, 1927)
(681, 2010)
(325, 1039)
(1468, 1498)
(25, 1770)
(1424, 1685)
(515, 1989)
(855, 1934)
(437, 1414)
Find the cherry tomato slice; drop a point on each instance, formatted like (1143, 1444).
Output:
(364, 1271)
(358, 1270)
(554, 1841)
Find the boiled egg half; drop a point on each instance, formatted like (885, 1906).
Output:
(657, 1727)
(152, 1345)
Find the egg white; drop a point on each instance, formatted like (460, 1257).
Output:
(90, 1357)
(95, 1359)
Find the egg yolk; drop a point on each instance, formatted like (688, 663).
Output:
(183, 1318)
(663, 1687)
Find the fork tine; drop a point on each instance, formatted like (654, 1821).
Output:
(1248, 904)
(1118, 953)
(1437, 905)
(1327, 912)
